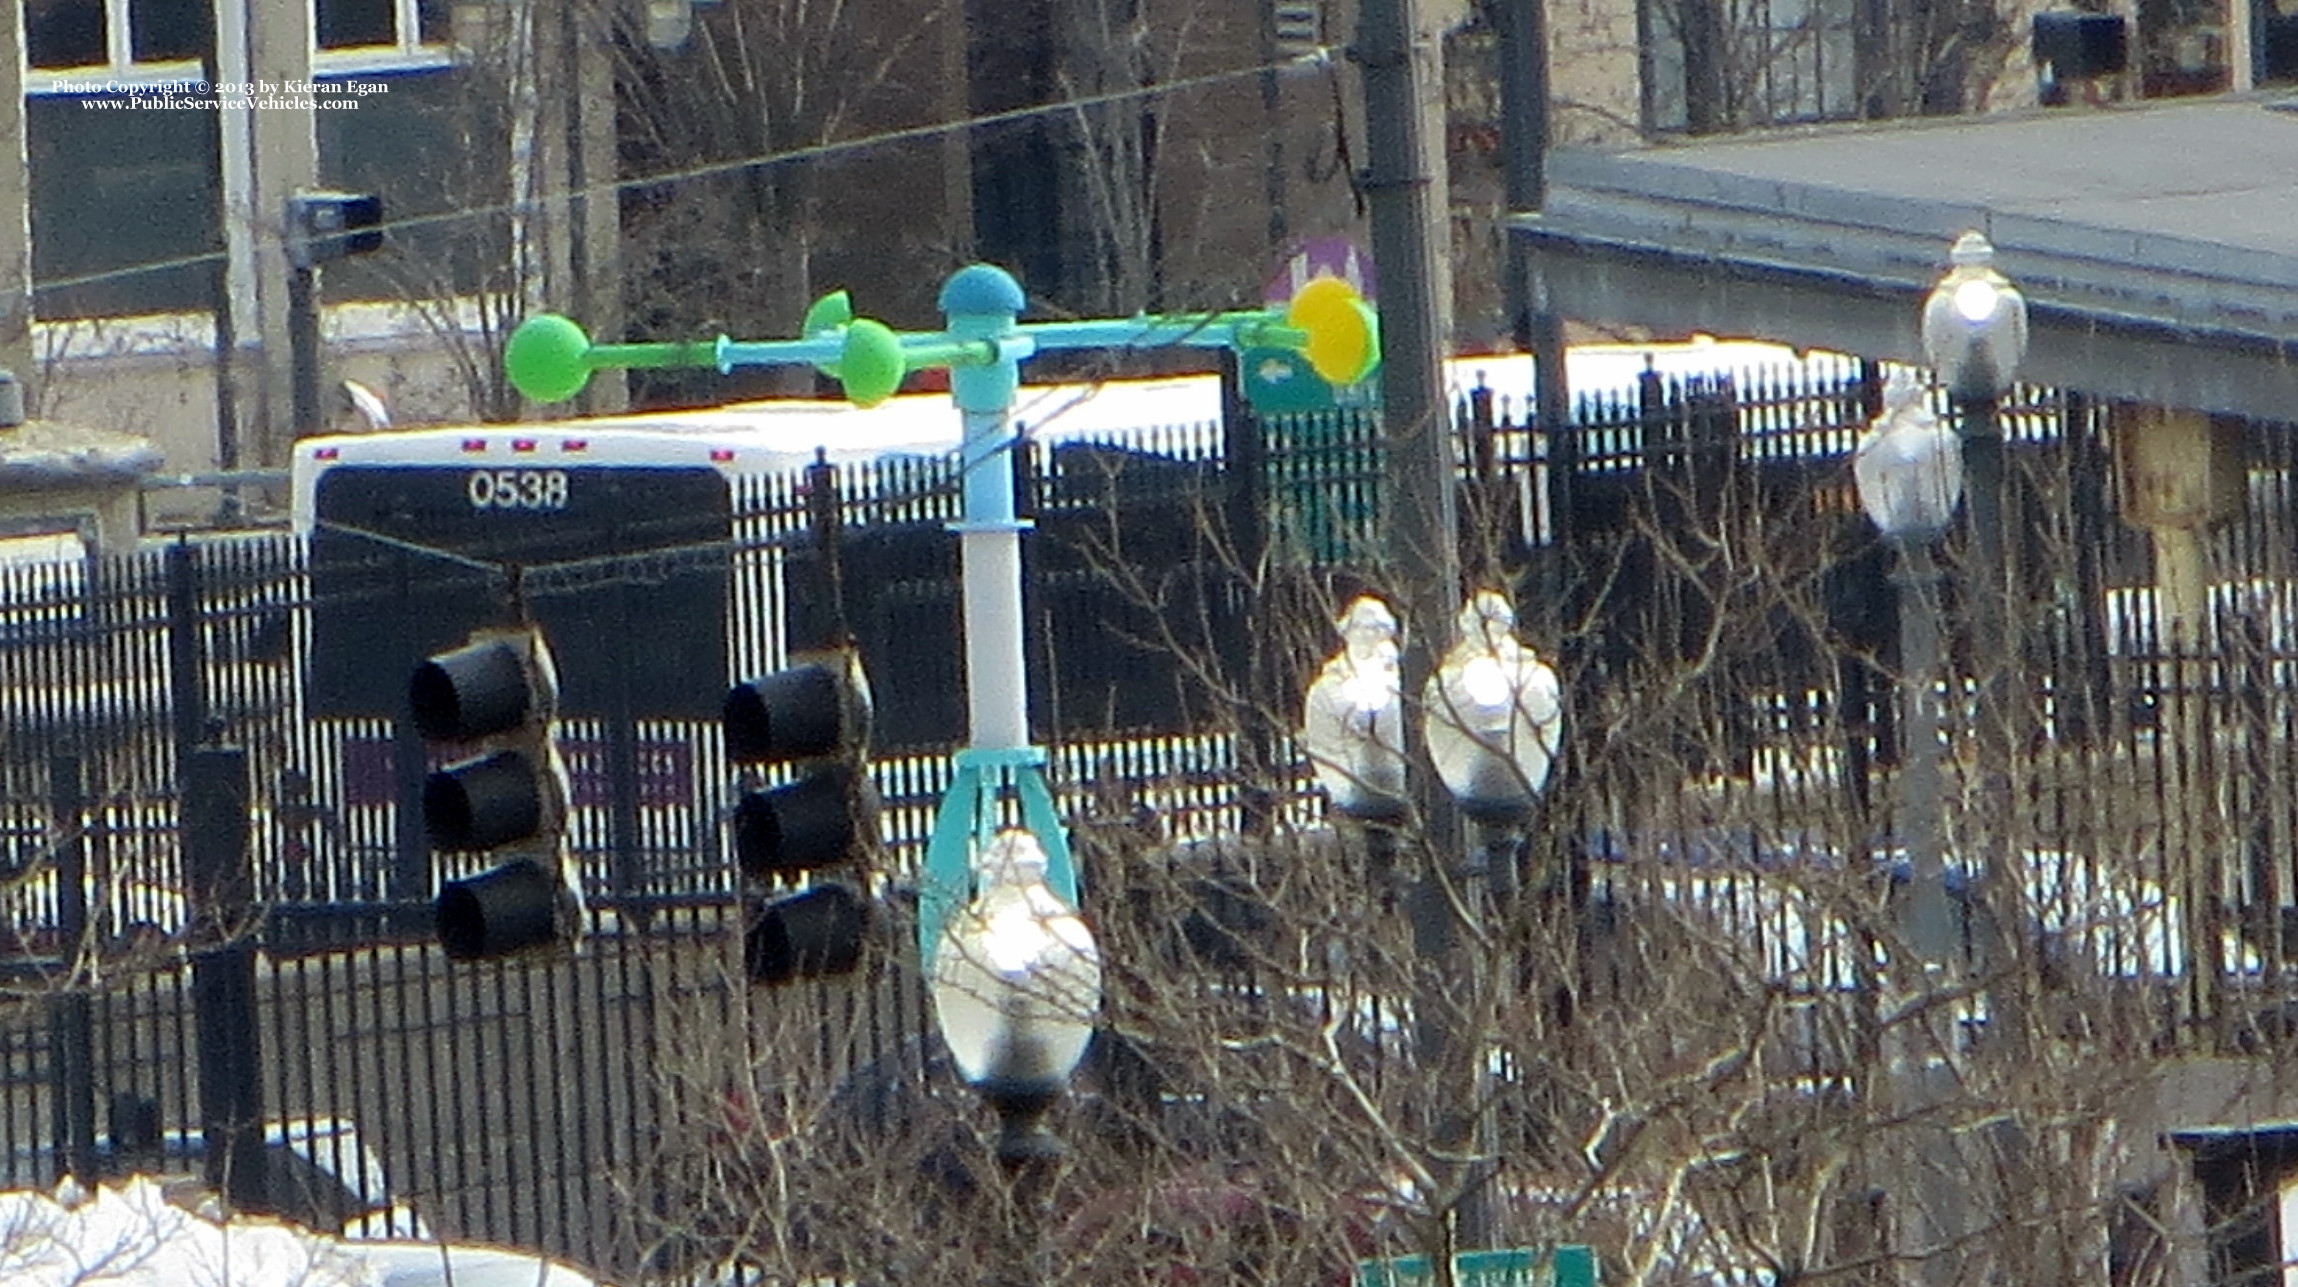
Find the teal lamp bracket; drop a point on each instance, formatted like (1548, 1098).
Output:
(967, 818)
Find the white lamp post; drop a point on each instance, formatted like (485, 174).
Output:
(1495, 717)
(1907, 469)
(1974, 337)
(1909, 472)
(1016, 983)
(1352, 720)
(1974, 323)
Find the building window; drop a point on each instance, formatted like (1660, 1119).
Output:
(2275, 42)
(1716, 65)
(2183, 48)
(2246, 1175)
(64, 33)
(83, 45)
(161, 31)
(379, 35)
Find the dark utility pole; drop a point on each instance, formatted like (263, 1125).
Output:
(303, 347)
(71, 1025)
(1402, 63)
(321, 227)
(1422, 531)
(217, 863)
(1532, 317)
(1523, 28)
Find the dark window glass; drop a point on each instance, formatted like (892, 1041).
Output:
(2277, 43)
(346, 23)
(166, 30)
(114, 193)
(431, 21)
(64, 33)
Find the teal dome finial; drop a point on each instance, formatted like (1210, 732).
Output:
(978, 290)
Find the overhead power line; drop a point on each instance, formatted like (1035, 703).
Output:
(1313, 61)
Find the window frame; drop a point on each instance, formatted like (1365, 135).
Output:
(120, 71)
(406, 52)
(1804, 68)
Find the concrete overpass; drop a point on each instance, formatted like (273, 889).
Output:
(2157, 243)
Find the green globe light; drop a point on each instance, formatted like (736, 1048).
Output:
(827, 314)
(548, 358)
(871, 366)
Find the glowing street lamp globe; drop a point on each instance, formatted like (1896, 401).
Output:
(1352, 718)
(1495, 714)
(1908, 467)
(1016, 983)
(1974, 323)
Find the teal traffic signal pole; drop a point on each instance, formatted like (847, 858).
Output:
(982, 345)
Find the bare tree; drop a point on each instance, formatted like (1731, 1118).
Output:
(743, 202)
(1696, 1034)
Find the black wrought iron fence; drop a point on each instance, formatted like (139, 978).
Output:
(1690, 553)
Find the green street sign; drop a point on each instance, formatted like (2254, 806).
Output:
(1566, 1266)
(1280, 382)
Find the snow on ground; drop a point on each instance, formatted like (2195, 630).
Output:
(133, 1235)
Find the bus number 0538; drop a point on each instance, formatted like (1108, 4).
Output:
(517, 488)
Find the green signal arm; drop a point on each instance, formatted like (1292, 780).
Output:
(1257, 328)
(549, 358)
(1326, 322)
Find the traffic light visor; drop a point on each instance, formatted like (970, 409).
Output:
(484, 802)
(812, 934)
(470, 692)
(509, 909)
(799, 713)
(820, 819)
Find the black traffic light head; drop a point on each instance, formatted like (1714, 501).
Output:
(816, 713)
(494, 700)
(815, 933)
(819, 707)
(820, 819)
(326, 226)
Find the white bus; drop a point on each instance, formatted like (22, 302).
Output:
(446, 510)
(655, 546)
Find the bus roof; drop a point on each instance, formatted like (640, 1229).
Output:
(749, 438)
(792, 429)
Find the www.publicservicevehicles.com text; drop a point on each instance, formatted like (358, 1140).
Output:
(200, 95)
